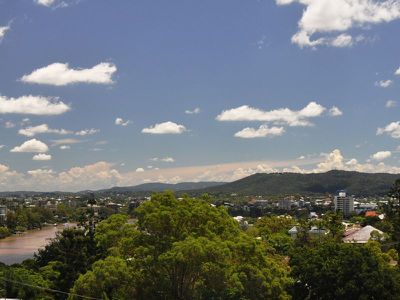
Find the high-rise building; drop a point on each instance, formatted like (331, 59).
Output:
(3, 213)
(344, 203)
(286, 203)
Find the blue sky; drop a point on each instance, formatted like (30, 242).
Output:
(251, 68)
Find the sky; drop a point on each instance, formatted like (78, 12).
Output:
(97, 93)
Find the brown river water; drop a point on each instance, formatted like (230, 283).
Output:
(16, 248)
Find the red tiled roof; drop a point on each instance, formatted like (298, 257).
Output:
(371, 214)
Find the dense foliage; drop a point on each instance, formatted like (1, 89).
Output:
(186, 249)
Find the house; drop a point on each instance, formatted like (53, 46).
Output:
(360, 235)
(371, 213)
(314, 231)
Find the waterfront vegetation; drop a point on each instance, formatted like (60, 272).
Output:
(187, 248)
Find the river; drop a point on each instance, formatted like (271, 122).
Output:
(16, 248)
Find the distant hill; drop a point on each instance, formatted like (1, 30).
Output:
(158, 187)
(355, 183)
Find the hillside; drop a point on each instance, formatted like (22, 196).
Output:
(158, 187)
(360, 184)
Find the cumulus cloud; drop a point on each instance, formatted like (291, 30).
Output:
(32, 145)
(39, 129)
(335, 112)
(139, 170)
(96, 175)
(3, 168)
(163, 159)
(122, 122)
(277, 116)
(397, 72)
(33, 105)
(391, 104)
(392, 129)
(60, 74)
(165, 128)
(384, 83)
(262, 131)
(381, 155)
(87, 132)
(46, 3)
(3, 31)
(193, 111)
(65, 147)
(103, 174)
(331, 20)
(42, 156)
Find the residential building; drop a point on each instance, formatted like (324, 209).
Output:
(3, 213)
(361, 235)
(344, 203)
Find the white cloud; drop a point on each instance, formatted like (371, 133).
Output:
(391, 104)
(341, 41)
(165, 128)
(25, 121)
(9, 124)
(65, 141)
(103, 174)
(397, 72)
(3, 31)
(1, 147)
(392, 129)
(330, 20)
(333, 161)
(277, 116)
(163, 159)
(381, 155)
(43, 128)
(3, 168)
(384, 83)
(33, 105)
(65, 147)
(122, 122)
(42, 156)
(262, 131)
(40, 172)
(335, 112)
(92, 176)
(193, 112)
(32, 145)
(46, 3)
(60, 74)
(87, 132)
(139, 170)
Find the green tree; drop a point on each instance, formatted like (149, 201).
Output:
(111, 231)
(72, 252)
(343, 271)
(187, 249)
(333, 223)
(25, 284)
(392, 212)
(110, 278)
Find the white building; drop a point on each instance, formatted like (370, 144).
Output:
(344, 203)
(286, 203)
(3, 213)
